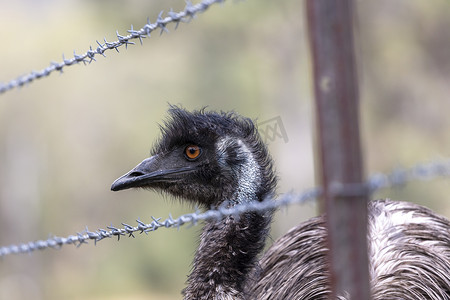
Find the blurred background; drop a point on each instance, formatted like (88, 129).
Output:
(64, 139)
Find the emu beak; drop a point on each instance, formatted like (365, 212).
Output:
(147, 172)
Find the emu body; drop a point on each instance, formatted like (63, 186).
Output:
(215, 159)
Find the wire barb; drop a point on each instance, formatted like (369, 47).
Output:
(189, 12)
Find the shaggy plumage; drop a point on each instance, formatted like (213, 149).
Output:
(409, 257)
(216, 159)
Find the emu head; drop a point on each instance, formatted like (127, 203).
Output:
(207, 158)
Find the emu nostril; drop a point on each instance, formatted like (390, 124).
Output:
(135, 174)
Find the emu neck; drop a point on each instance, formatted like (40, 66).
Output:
(228, 248)
(225, 256)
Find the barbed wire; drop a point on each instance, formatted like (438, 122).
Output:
(399, 177)
(185, 16)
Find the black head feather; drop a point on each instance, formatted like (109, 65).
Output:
(228, 143)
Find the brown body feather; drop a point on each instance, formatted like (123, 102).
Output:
(409, 255)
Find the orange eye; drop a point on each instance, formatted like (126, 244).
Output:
(192, 152)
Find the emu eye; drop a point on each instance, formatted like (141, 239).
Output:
(192, 152)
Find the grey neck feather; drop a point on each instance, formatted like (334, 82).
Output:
(248, 177)
(247, 174)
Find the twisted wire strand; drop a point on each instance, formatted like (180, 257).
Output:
(398, 177)
(189, 12)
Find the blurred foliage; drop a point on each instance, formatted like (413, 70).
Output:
(64, 139)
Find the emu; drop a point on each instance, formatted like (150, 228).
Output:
(216, 158)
